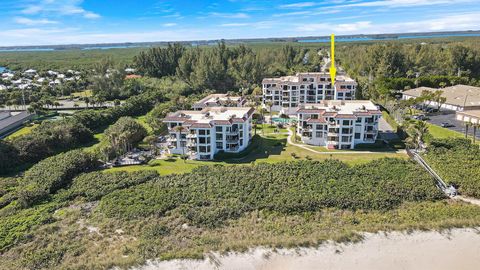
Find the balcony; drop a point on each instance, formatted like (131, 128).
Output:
(373, 131)
(232, 132)
(232, 141)
(191, 136)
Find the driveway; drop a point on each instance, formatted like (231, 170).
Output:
(385, 131)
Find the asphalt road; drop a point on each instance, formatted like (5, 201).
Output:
(449, 117)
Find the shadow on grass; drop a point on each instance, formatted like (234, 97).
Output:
(260, 148)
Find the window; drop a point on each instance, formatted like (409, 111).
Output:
(219, 137)
(357, 136)
(346, 122)
(294, 88)
(359, 120)
(204, 140)
(219, 129)
(340, 94)
(319, 134)
(219, 146)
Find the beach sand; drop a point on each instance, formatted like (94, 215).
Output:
(455, 249)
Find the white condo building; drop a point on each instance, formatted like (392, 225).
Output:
(338, 124)
(219, 100)
(209, 131)
(289, 92)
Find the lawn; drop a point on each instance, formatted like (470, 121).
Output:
(271, 148)
(442, 133)
(86, 93)
(23, 131)
(164, 167)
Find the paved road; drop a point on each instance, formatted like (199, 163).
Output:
(449, 117)
(385, 131)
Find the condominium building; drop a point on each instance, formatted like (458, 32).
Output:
(219, 100)
(202, 134)
(338, 124)
(287, 93)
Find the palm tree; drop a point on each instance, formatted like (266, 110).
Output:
(269, 105)
(467, 125)
(475, 132)
(294, 123)
(417, 132)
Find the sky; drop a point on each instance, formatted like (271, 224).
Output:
(51, 22)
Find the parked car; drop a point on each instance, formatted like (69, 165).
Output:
(419, 117)
(447, 125)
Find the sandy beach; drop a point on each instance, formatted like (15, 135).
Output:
(455, 249)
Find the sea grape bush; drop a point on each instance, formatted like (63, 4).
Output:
(210, 195)
(457, 161)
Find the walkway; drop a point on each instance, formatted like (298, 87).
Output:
(440, 183)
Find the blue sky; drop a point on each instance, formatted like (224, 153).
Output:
(46, 22)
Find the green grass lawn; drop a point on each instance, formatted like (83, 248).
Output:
(441, 133)
(86, 93)
(271, 148)
(23, 131)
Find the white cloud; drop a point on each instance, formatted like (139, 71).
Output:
(59, 7)
(404, 3)
(169, 24)
(32, 22)
(465, 21)
(299, 5)
(229, 15)
(234, 24)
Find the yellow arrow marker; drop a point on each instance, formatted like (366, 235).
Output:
(333, 69)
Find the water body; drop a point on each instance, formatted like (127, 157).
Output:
(113, 47)
(2, 69)
(455, 249)
(356, 39)
(28, 50)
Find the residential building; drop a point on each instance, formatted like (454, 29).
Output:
(219, 100)
(338, 124)
(458, 98)
(469, 116)
(289, 92)
(202, 134)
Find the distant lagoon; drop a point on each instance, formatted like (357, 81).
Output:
(2, 69)
(393, 37)
(316, 40)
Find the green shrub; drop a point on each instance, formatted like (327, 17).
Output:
(92, 186)
(52, 174)
(212, 195)
(457, 161)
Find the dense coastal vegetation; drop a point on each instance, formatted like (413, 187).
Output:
(55, 201)
(458, 162)
(134, 217)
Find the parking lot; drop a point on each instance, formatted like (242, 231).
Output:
(449, 117)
